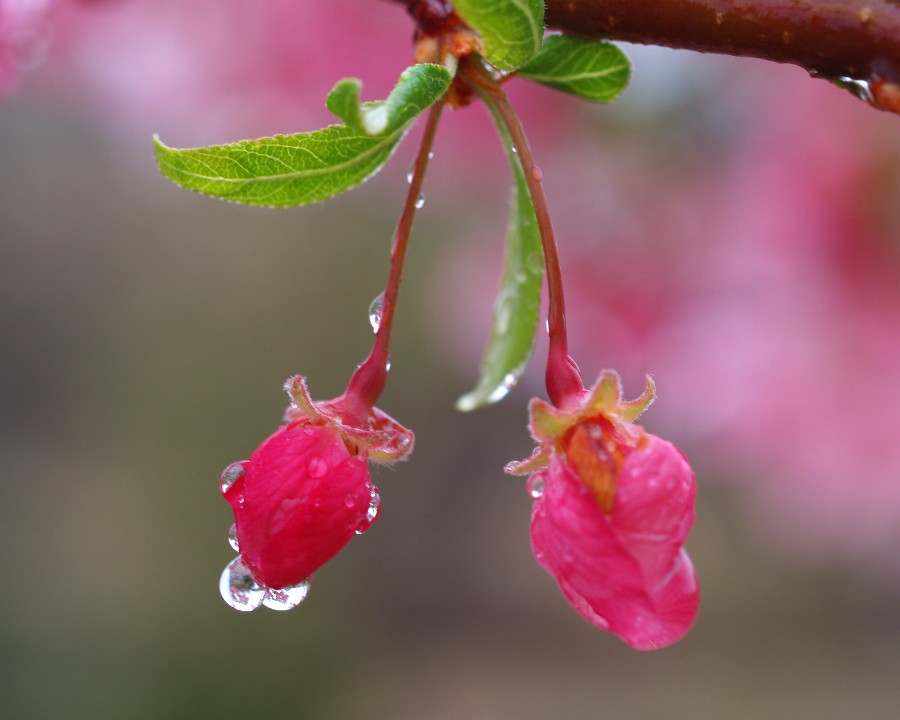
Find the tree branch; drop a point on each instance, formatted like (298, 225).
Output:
(857, 39)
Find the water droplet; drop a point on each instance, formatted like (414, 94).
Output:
(238, 588)
(420, 201)
(502, 390)
(317, 467)
(233, 538)
(536, 174)
(232, 474)
(376, 312)
(387, 365)
(287, 598)
(535, 263)
(403, 441)
(349, 501)
(431, 155)
(536, 486)
(374, 505)
(410, 173)
(371, 512)
(514, 149)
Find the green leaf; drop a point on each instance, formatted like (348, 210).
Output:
(419, 86)
(290, 170)
(597, 71)
(511, 30)
(518, 303)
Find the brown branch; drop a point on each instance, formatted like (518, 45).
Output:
(858, 39)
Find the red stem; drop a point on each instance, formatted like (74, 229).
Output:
(370, 377)
(563, 379)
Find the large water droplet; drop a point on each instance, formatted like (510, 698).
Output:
(536, 486)
(371, 512)
(317, 467)
(232, 474)
(286, 598)
(238, 588)
(502, 390)
(374, 505)
(376, 312)
(233, 538)
(420, 201)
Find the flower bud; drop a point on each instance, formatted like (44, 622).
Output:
(615, 508)
(302, 495)
(302, 498)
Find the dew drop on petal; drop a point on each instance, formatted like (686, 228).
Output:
(420, 201)
(376, 312)
(536, 486)
(371, 512)
(233, 538)
(317, 467)
(238, 588)
(232, 474)
(374, 505)
(287, 598)
(349, 500)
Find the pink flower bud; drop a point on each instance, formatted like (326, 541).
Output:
(613, 508)
(302, 497)
(624, 570)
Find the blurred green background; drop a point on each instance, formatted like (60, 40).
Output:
(144, 336)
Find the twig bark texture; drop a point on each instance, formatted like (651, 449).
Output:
(859, 39)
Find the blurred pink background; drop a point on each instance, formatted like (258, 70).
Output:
(731, 227)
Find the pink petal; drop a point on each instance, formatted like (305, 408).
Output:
(301, 500)
(625, 572)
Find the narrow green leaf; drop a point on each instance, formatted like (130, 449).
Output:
(597, 71)
(511, 30)
(518, 303)
(289, 170)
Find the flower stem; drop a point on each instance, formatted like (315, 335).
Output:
(563, 380)
(368, 381)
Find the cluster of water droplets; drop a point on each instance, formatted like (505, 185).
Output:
(365, 522)
(238, 587)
